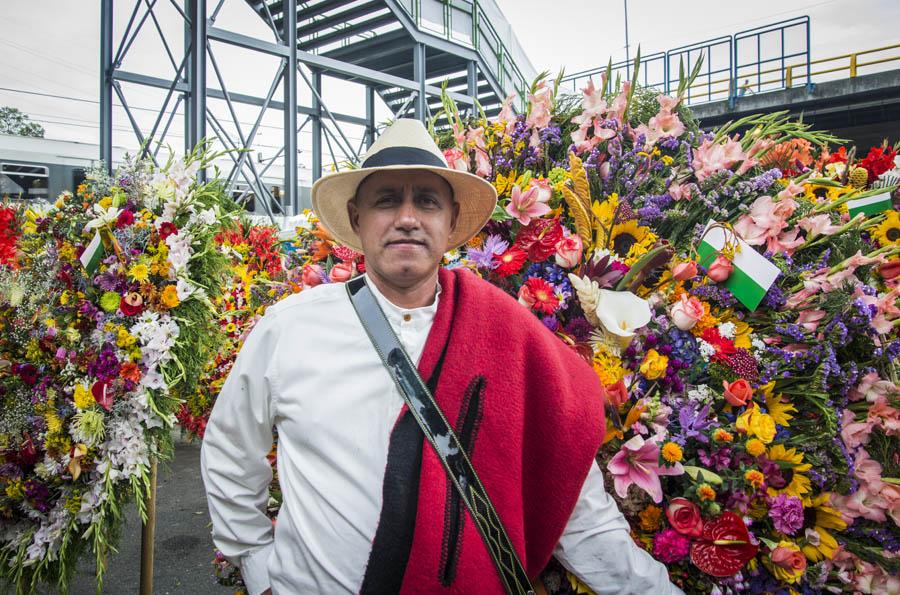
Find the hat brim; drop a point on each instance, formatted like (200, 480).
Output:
(476, 197)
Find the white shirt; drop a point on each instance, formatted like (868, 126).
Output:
(309, 369)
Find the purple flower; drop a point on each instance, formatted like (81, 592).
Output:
(693, 422)
(786, 513)
(484, 257)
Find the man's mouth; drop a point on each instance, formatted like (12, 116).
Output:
(406, 242)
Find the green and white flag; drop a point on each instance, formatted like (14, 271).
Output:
(93, 254)
(870, 205)
(753, 274)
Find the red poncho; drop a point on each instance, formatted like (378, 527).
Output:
(528, 410)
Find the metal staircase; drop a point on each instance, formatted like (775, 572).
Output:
(432, 42)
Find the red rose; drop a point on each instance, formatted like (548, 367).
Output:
(737, 393)
(684, 516)
(131, 304)
(166, 229)
(617, 394)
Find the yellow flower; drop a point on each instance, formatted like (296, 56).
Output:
(816, 192)
(169, 296)
(15, 490)
(820, 543)
(139, 272)
(706, 492)
(779, 407)
(608, 367)
(742, 332)
(755, 447)
(230, 327)
(672, 453)
(887, 233)
(755, 423)
(754, 478)
(667, 160)
(105, 202)
(650, 518)
(630, 240)
(83, 397)
(654, 365)
(792, 469)
(124, 338)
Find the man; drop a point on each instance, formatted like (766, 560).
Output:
(367, 506)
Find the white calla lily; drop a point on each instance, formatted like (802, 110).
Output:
(622, 314)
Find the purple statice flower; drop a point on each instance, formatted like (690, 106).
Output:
(786, 513)
(551, 323)
(484, 257)
(551, 134)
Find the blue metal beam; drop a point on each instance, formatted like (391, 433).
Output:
(316, 125)
(289, 35)
(106, 43)
(196, 107)
(419, 75)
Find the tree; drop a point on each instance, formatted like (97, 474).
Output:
(12, 121)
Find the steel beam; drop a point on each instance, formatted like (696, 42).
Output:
(421, 107)
(106, 82)
(370, 116)
(196, 107)
(289, 35)
(316, 125)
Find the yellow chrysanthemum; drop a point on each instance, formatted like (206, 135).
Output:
(754, 477)
(139, 272)
(608, 367)
(83, 397)
(650, 518)
(169, 296)
(755, 447)
(723, 435)
(706, 492)
(887, 233)
(820, 543)
(792, 469)
(672, 453)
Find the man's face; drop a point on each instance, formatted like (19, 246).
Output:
(404, 220)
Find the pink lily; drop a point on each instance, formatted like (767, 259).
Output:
(637, 462)
(527, 205)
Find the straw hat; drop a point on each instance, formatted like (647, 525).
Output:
(405, 145)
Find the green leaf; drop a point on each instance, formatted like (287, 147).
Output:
(705, 474)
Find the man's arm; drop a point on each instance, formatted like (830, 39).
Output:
(597, 548)
(233, 459)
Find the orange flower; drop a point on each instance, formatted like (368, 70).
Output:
(754, 478)
(130, 371)
(169, 296)
(650, 518)
(706, 492)
(722, 435)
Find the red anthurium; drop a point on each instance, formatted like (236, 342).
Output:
(102, 394)
(724, 546)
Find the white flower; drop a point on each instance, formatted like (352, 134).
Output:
(700, 393)
(588, 295)
(707, 350)
(727, 330)
(208, 216)
(622, 313)
(102, 216)
(180, 250)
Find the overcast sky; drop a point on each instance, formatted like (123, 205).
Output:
(51, 47)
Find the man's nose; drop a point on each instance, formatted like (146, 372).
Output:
(407, 217)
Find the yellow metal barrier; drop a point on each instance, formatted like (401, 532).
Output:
(852, 67)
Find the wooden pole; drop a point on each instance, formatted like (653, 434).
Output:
(148, 536)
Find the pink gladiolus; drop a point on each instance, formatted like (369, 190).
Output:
(456, 159)
(680, 191)
(809, 319)
(818, 224)
(790, 191)
(482, 164)
(507, 115)
(855, 433)
(540, 105)
(527, 205)
(637, 462)
(710, 157)
(475, 138)
(620, 103)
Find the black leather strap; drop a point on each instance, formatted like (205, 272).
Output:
(441, 436)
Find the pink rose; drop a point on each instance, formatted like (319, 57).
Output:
(687, 312)
(312, 275)
(720, 269)
(568, 251)
(738, 393)
(617, 394)
(684, 516)
(789, 559)
(684, 270)
(342, 271)
(809, 319)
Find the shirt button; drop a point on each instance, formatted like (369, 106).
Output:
(407, 317)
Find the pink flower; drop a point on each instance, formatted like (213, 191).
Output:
(818, 224)
(540, 105)
(527, 205)
(620, 103)
(785, 243)
(568, 250)
(680, 191)
(312, 275)
(720, 269)
(710, 157)
(809, 319)
(790, 191)
(475, 138)
(737, 393)
(617, 394)
(342, 271)
(854, 433)
(637, 462)
(687, 312)
(482, 164)
(507, 115)
(456, 159)
(669, 546)
(684, 271)
(684, 516)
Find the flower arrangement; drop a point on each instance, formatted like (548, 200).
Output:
(736, 291)
(106, 313)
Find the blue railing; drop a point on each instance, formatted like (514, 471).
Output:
(733, 65)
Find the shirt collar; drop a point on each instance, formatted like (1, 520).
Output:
(416, 317)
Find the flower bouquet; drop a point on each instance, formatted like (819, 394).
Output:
(737, 298)
(106, 324)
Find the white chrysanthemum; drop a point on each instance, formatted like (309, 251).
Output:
(701, 393)
(727, 330)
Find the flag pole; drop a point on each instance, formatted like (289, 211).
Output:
(148, 536)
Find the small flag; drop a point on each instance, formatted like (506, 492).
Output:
(93, 254)
(870, 205)
(753, 274)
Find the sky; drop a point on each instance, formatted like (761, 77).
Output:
(50, 51)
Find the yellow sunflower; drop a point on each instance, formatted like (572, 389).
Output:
(792, 470)
(779, 407)
(817, 192)
(630, 241)
(888, 231)
(820, 543)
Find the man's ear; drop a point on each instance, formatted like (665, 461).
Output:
(353, 215)
(455, 218)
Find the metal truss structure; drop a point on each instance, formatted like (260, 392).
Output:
(405, 51)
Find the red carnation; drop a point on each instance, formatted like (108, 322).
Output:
(166, 229)
(510, 262)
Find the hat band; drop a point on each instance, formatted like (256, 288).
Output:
(403, 156)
